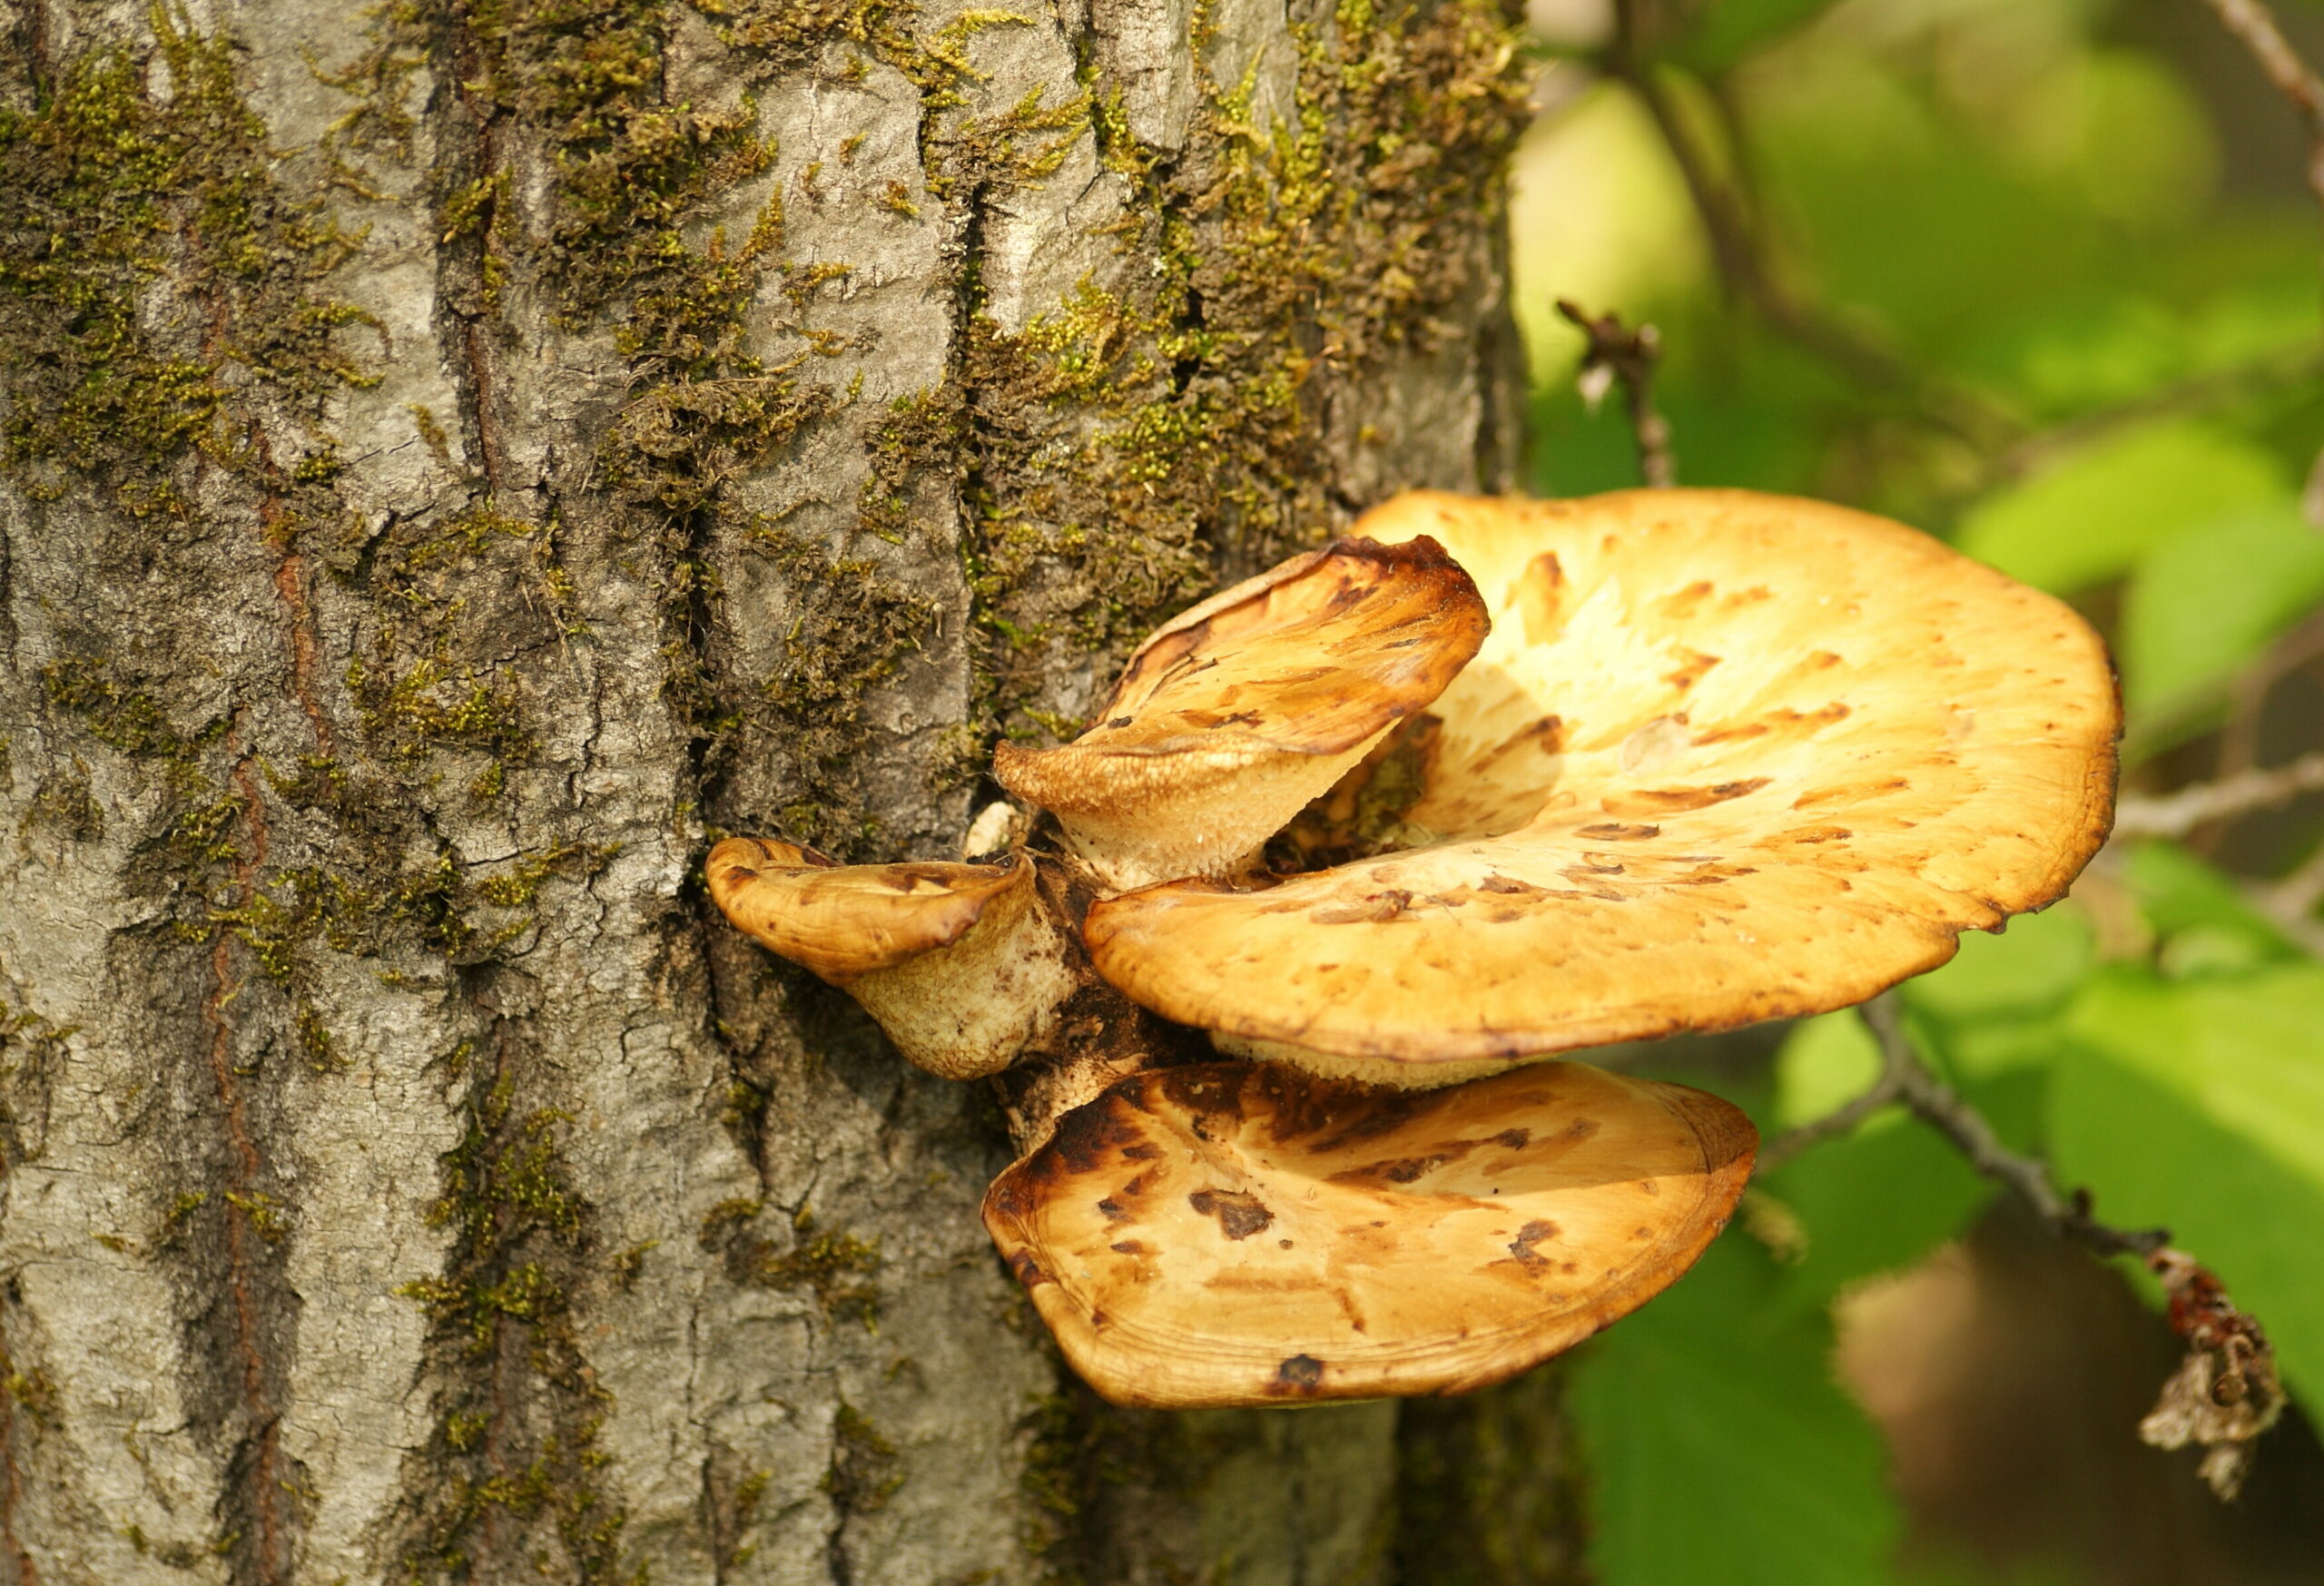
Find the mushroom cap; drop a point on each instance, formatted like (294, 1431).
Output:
(959, 964)
(1725, 757)
(845, 922)
(1232, 1233)
(1238, 710)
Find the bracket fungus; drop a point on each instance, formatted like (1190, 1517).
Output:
(957, 962)
(1358, 843)
(1240, 710)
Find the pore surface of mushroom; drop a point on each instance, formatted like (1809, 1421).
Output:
(1240, 710)
(1242, 1233)
(1724, 757)
(957, 962)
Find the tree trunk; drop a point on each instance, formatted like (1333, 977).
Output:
(461, 456)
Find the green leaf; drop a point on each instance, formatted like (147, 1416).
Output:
(2089, 518)
(2199, 1106)
(1991, 1013)
(1724, 1452)
(2210, 598)
(2101, 347)
(1825, 1061)
(1874, 1202)
(1876, 1199)
(2032, 966)
(2203, 923)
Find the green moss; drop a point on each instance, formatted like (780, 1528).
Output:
(521, 1239)
(36, 1393)
(837, 1266)
(115, 713)
(865, 1471)
(851, 628)
(1123, 444)
(1080, 1454)
(263, 1212)
(64, 804)
(130, 181)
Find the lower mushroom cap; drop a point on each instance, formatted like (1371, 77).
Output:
(1228, 1234)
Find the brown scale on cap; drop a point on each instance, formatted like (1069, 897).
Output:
(1241, 1234)
(1242, 709)
(1724, 757)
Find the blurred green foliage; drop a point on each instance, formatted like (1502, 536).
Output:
(2011, 293)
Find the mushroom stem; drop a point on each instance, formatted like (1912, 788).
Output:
(1098, 1037)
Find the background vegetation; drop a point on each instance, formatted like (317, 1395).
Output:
(2041, 276)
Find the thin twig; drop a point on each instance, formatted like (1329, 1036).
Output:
(2176, 815)
(1885, 1092)
(1906, 1079)
(1743, 270)
(1617, 353)
(2226, 1392)
(2254, 26)
(2200, 394)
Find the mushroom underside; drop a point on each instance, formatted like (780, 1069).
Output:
(1242, 1233)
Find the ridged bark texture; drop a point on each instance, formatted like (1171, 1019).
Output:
(460, 458)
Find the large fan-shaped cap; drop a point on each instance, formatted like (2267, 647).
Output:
(958, 963)
(1241, 1234)
(1725, 757)
(1242, 709)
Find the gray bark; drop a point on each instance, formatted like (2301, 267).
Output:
(449, 478)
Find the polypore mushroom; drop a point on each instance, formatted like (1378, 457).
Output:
(1239, 711)
(1239, 1234)
(1726, 757)
(1723, 757)
(957, 962)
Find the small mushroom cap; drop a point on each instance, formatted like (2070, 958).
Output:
(846, 921)
(959, 963)
(1240, 710)
(1725, 757)
(1242, 1233)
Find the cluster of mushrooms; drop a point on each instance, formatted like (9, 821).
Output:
(1357, 844)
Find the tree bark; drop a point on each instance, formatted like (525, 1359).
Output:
(460, 458)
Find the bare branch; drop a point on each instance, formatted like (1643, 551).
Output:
(2226, 1392)
(1618, 353)
(2176, 815)
(1936, 1104)
(1744, 272)
(2254, 26)
(1885, 1092)
(1906, 1079)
